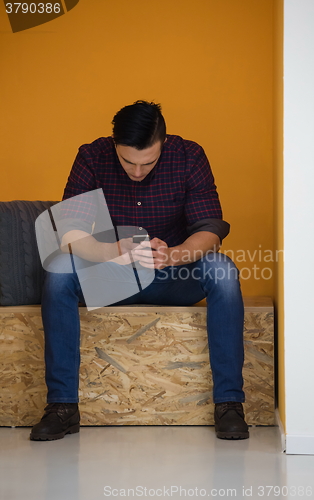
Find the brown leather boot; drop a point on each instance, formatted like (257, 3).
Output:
(229, 421)
(59, 419)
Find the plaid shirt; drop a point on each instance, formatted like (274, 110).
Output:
(177, 198)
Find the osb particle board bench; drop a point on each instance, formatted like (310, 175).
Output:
(140, 365)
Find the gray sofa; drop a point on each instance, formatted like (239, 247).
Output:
(21, 272)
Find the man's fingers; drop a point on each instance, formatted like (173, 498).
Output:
(143, 253)
(146, 259)
(144, 264)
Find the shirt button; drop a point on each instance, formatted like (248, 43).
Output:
(139, 203)
(140, 228)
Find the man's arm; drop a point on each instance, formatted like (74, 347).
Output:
(87, 247)
(193, 248)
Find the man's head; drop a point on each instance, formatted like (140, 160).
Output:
(139, 132)
(139, 125)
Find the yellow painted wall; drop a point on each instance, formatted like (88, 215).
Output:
(208, 62)
(278, 202)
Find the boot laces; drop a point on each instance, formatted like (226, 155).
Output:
(56, 407)
(230, 405)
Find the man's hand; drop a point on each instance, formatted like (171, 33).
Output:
(192, 249)
(125, 248)
(152, 254)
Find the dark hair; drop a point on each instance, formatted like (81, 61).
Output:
(139, 125)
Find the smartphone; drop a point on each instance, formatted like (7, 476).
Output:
(137, 238)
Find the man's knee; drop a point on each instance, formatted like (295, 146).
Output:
(218, 267)
(59, 276)
(61, 264)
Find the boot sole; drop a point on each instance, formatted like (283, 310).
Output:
(52, 437)
(232, 435)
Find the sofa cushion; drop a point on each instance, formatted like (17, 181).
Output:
(21, 272)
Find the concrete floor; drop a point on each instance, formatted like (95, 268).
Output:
(176, 462)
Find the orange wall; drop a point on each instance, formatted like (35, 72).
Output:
(208, 62)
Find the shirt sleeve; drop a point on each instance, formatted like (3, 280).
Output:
(81, 178)
(78, 212)
(202, 206)
(216, 226)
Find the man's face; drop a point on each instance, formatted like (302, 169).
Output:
(138, 163)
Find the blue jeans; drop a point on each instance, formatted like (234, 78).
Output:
(215, 277)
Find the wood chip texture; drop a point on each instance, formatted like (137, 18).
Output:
(139, 366)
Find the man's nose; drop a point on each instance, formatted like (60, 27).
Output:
(138, 170)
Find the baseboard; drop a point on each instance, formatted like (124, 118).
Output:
(281, 430)
(299, 445)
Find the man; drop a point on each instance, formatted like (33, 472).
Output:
(164, 184)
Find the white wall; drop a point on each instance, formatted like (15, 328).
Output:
(299, 224)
